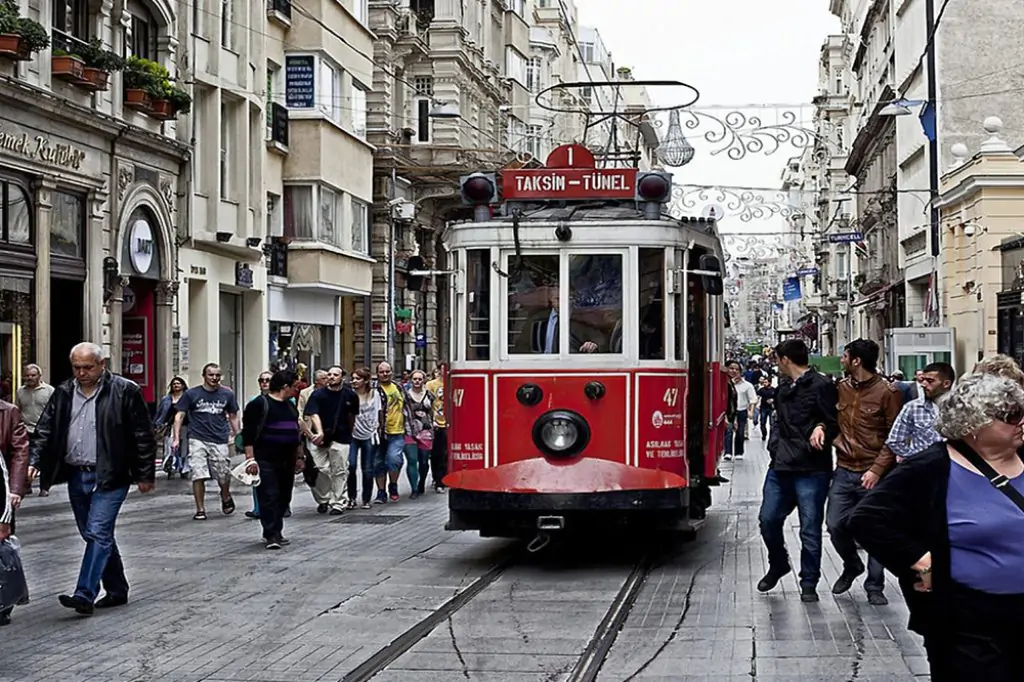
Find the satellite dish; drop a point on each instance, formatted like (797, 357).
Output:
(713, 212)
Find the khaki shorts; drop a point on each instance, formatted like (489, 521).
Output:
(209, 461)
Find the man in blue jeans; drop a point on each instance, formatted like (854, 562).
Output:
(800, 447)
(95, 434)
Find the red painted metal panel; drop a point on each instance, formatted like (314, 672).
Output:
(716, 435)
(468, 445)
(542, 475)
(661, 422)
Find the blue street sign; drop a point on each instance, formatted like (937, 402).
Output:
(807, 272)
(791, 289)
(421, 340)
(845, 237)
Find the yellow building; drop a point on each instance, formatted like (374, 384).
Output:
(982, 256)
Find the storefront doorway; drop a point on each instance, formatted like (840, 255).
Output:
(231, 365)
(67, 297)
(140, 257)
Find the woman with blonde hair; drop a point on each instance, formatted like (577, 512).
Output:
(948, 522)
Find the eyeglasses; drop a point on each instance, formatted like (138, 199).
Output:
(1014, 416)
(264, 381)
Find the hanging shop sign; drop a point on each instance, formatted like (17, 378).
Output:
(140, 246)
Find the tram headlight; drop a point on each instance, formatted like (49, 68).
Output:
(561, 433)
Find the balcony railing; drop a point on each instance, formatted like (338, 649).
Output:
(277, 126)
(280, 10)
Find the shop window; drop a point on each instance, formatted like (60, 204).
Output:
(478, 305)
(17, 312)
(15, 214)
(68, 225)
(595, 303)
(533, 306)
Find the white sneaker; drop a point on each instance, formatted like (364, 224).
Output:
(728, 458)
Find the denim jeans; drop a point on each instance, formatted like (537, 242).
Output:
(846, 492)
(767, 418)
(388, 457)
(96, 513)
(783, 492)
(417, 466)
(737, 433)
(360, 449)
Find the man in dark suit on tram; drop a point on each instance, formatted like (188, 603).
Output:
(539, 334)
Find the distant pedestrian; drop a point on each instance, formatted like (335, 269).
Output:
(14, 459)
(95, 433)
(419, 432)
(800, 448)
(263, 381)
(766, 406)
(31, 398)
(333, 410)
(366, 437)
(213, 419)
(388, 463)
(272, 440)
(175, 458)
(439, 450)
(746, 401)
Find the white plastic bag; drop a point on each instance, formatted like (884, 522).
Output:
(244, 477)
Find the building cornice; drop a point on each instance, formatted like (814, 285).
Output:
(973, 184)
(59, 110)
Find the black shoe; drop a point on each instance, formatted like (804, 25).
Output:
(876, 598)
(5, 619)
(273, 544)
(251, 515)
(845, 581)
(282, 540)
(287, 512)
(808, 594)
(322, 508)
(81, 606)
(110, 601)
(772, 578)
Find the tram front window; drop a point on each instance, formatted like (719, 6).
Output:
(595, 301)
(533, 306)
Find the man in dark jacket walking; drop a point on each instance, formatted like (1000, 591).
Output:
(95, 433)
(798, 477)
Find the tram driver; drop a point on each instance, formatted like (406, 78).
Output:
(540, 333)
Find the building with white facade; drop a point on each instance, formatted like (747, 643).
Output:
(93, 187)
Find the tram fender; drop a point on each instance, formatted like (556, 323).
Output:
(581, 475)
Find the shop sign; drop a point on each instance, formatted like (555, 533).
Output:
(134, 349)
(41, 148)
(243, 275)
(140, 246)
(421, 340)
(300, 81)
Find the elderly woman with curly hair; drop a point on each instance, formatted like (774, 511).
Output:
(949, 523)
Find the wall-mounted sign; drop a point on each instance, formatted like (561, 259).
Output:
(140, 246)
(135, 350)
(243, 275)
(40, 148)
(300, 81)
(807, 272)
(846, 237)
(791, 289)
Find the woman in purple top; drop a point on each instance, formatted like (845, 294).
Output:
(949, 523)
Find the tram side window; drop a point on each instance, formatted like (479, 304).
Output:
(478, 305)
(651, 303)
(595, 301)
(533, 306)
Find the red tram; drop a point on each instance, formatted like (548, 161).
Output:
(586, 389)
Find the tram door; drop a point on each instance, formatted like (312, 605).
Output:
(698, 405)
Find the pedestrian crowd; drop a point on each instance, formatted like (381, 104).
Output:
(927, 479)
(346, 434)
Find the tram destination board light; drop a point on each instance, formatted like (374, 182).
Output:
(568, 184)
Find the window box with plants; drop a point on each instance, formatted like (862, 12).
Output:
(169, 101)
(19, 37)
(141, 78)
(99, 63)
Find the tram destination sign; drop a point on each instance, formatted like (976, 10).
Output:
(554, 184)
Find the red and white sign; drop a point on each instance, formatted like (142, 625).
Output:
(571, 156)
(660, 425)
(467, 426)
(553, 184)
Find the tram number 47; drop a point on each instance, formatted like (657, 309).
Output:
(457, 396)
(671, 397)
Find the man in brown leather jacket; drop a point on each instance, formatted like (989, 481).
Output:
(868, 406)
(14, 450)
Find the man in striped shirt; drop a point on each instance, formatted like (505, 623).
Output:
(914, 428)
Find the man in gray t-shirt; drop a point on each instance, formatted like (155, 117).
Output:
(212, 422)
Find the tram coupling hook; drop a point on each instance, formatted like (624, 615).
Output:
(538, 543)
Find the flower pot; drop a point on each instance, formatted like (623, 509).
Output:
(13, 47)
(163, 110)
(137, 99)
(94, 79)
(67, 68)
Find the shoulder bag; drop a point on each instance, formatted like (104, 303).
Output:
(1000, 482)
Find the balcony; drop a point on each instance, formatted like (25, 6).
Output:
(315, 265)
(280, 12)
(277, 128)
(86, 66)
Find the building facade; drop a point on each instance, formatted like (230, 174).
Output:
(319, 74)
(92, 186)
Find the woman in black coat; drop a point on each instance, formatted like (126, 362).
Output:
(955, 540)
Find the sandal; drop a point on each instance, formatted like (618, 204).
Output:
(200, 516)
(227, 506)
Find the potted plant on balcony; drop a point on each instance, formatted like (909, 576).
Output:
(172, 100)
(99, 64)
(142, 79)
(67, 66)
(19, 37)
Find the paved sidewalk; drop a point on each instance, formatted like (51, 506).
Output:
(209, 604)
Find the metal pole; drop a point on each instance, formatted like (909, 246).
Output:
(849, 293)
(933, 156)
(390, 333)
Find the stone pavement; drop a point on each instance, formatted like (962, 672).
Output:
(209, 604)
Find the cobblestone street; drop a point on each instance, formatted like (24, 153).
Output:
(209, 603)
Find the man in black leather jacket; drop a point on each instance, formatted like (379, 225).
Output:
(95, 434)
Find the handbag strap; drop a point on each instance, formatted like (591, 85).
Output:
(998, 480)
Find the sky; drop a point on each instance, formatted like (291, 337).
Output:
(736, 52)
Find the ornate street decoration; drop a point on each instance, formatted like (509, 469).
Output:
(747, 205)
(749, 247)
(675, 150)
(737, 134)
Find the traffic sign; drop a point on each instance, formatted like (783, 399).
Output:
(555, 184)
(570, 156)
(845, 238)
(807, 272)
